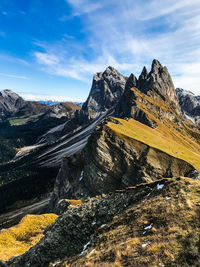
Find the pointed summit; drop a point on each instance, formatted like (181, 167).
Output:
(155, 65)
(107, 88)
(131, 81)
(142, 78)
(144, 73)
(158, 81)
(110, 69)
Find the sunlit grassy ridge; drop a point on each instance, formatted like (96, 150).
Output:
(164, 138)
(172, 134)
(18, 239)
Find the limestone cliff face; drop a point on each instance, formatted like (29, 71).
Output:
(107, 88)
(10, 103)
(108, 163)
(159, 81)
(190, 104)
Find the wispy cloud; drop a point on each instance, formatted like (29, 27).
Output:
(14, 76)
(129, 34)
(13, 59)
(83, 6)
(47, 59)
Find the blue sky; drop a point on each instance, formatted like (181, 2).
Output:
(51, 49)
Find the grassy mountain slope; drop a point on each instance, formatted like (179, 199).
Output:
(163, 138)
(161, 229)
(171, 132)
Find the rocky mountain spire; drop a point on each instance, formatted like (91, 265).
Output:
(159, 81)
(143, 77)
(107, 88)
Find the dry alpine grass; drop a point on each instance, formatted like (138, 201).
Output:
(20, 238)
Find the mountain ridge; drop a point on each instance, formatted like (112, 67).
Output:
(71, 137)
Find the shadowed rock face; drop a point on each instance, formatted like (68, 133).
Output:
(107, 88)
(158, 80)
(10, 103)
(190, 104)
(108, 163)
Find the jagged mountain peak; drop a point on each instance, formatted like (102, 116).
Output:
(111, 71)
(107, 88)
(159, 81)
(9, 93)
(131, 81)
(155, 65)
(144, 72)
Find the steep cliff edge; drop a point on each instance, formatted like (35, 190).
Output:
(157, 143)
(123, 153)
(107, 88)
(158, 80)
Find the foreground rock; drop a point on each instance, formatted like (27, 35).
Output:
(144, 223)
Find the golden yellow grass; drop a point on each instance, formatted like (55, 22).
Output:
(20, 238)
(163, 138)
(74, 202)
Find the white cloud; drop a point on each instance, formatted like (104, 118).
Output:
(129, 34)
(54, 98)
(83, 6)
(47, 59)
(14, 76)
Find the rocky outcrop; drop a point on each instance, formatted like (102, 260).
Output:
(135, 225)
(10, 103)
(77, 229)
(157, 80)
(107, 88)
(128, 105)
(106, 91)
(190, 104)
(109, 162)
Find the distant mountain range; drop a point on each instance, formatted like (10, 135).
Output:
(11, 104)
